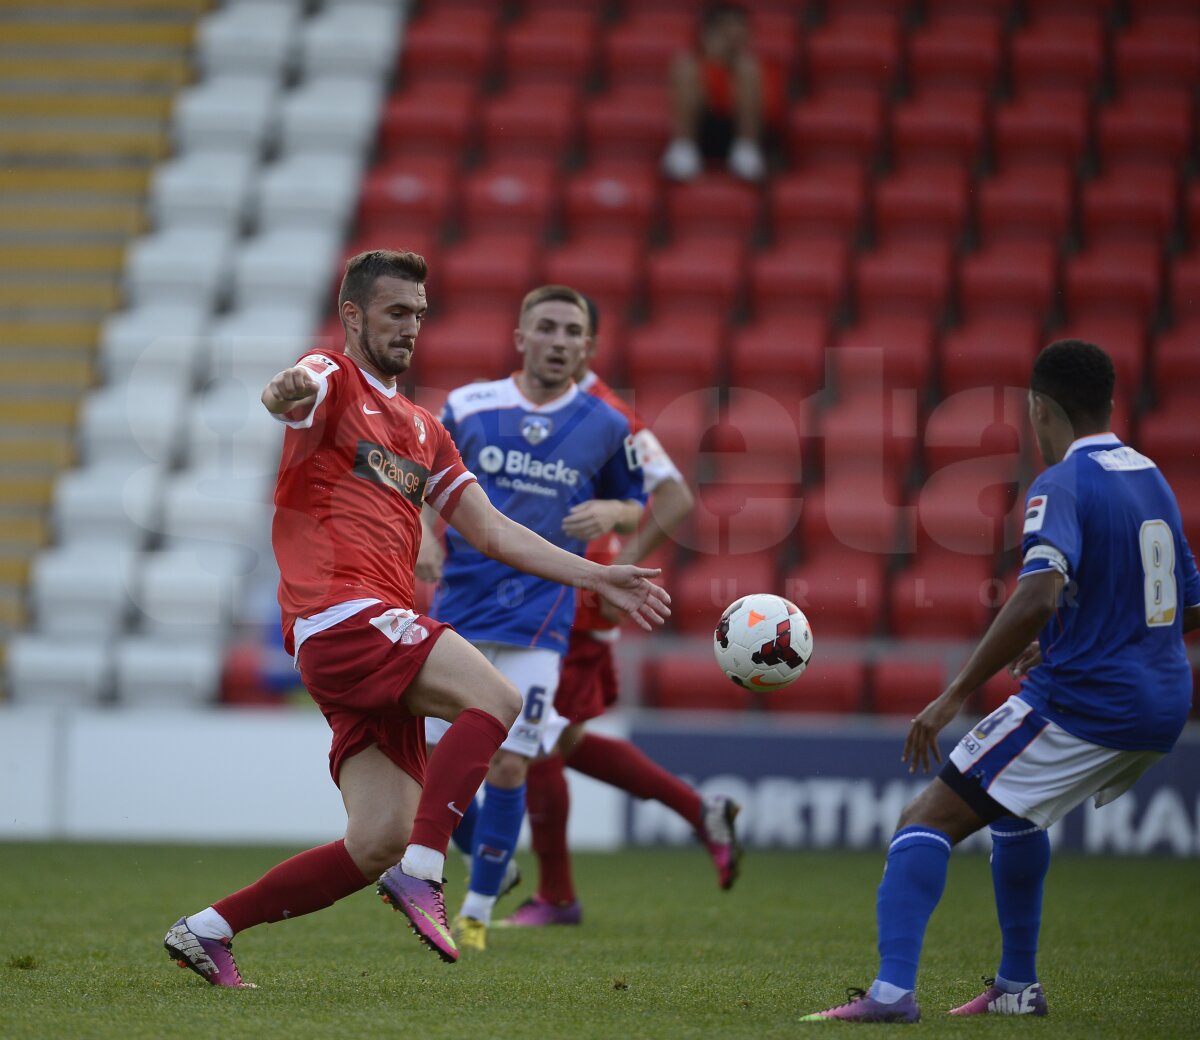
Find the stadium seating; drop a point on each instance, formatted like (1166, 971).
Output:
(904, 687)
(942, 595)
(1009, 280)
(989, 352)
(841, 591)
(828, 687)
(692, 683)
(959, 53)
(855, 51)
(818, 203)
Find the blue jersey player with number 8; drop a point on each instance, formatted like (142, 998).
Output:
(1108, 585)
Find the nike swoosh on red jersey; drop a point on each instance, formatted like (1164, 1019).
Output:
(371, 411)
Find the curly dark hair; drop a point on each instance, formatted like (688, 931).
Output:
(1079, 377)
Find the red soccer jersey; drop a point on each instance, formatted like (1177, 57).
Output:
(352, 478)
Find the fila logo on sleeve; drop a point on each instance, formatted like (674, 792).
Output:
(1035, 513)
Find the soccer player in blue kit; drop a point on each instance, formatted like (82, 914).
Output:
(1109, 586)
(563, 462)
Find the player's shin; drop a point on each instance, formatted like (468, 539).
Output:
(1020, 862)
(549, 802)
(913, 881)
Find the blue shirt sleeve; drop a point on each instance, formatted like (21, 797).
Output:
(621, 476)
(1051, 537)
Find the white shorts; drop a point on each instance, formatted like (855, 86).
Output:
(1039, 771)
(535, 675)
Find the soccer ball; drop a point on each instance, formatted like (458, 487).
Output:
(763, 642)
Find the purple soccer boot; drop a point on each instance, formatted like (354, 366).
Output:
(424, 905)
(864, 1008)
(994, 1001)
(719, 834)
(541, 913)
(211, 959)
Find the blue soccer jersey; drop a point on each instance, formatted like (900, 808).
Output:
(1114, 667)
(535, 462)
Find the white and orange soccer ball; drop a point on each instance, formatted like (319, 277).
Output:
(763, 642)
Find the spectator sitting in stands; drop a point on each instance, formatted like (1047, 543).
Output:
(722, 100)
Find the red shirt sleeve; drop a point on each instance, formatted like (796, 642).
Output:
(449, 476)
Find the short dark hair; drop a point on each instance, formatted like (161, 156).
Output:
(718, 12)
(593, 313)
(554, 292)
(364, 269)
(1079, 377)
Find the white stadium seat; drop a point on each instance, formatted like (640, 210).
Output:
(330, 115)
(228, 428)
(219, 508)
(82, 589)
(253, 343)
(190, 591)
(309, 192)
(228, 113)
(257, 39)
(179, 265)
(56, 670)
(204, 189)
(108, 506)
(162, 672)
(156, 343)
(351, 39)
(133, 422)
(288, 268)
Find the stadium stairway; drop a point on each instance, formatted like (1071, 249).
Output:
(85, 93)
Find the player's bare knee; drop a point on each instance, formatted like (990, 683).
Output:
(375, 848)
(502, 700)
(508, 770)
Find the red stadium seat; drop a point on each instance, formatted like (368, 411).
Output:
(922, 204)
(840, 591)
(639, 49)
(435, 118)
(800, 278)
(629, 123)
(904, 687)
(1147, 127)
(608, 268)
(1185, 286)
(1177, 354)
(896, 9)
(1040, 128)
(989, 352)
(692, 683)
(943, 595)
(744, 523)
(418, 194)
(1055, 52)
(853, 51)
(897, 350)
(855, 510)
(870, 429)
(487, 272)
(509, 198)
(456, 349)
(1091, 10)
(838, 128)
(1124, 339)
(1186, 486)
(551, 46)
(993, 693)
(962, 53)
(941, 128)
(450, 43)
(713, 206)
(678, 415)
(1158, 53)
(780, 352)
(674, 353)
(1192, 206)
(1114, 279)
(684, 279)
(818, 203)
(908, 278)
(1009, 280)
(1130, 204)
(534, 120)
(1026, 203)
(611, 199)
(1170, 434)
(762, 424)
(937, 10)
(709, 583)
(972, 508)
(826, 688)
(980, 422)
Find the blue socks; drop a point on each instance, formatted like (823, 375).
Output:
(464, 833)
(1020, 862)
(913, 881)
(496, 834)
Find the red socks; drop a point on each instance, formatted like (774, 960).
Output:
(619, 763)
(549, 803)
(309, 881)
(456, 769)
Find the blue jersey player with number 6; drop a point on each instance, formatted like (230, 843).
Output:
(1108, 586)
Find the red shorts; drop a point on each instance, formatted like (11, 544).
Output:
(358, 675)
(587, 684)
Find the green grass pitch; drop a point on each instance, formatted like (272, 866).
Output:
(661, 953)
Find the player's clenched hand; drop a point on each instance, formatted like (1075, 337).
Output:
(591, 519)
(921, 743)
(430, 557)
(629, 589)
(290, 389)
(1028, 660)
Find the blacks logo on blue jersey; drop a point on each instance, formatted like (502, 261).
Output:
(536, 428)
(375, 463)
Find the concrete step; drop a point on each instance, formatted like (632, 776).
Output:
(100, 72)
(43, 412)
(25, 456)
(92, 34)
(56, 179)
(54, 104)
(41, 145)
(117, 222)
(26, 260)
(55, 301)
(31, 532)
(25, 492)
(24, 374)
(33, 337)
(14, 10)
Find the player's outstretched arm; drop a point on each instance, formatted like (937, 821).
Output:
(293, 390)
(1018, 623)
(495, 535)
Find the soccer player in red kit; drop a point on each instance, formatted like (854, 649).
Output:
(358, 461)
